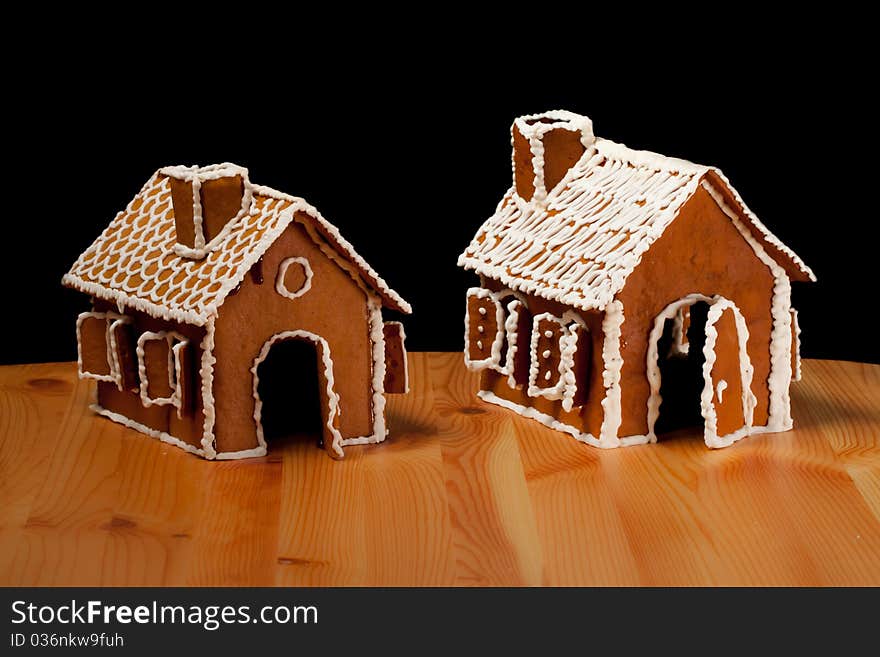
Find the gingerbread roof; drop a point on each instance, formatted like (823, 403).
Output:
(134, 263)
(579, 245)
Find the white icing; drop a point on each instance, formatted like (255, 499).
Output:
(377, 338)
(719, 390)
(176, 344)
(565, 387)
(746, 373)
(147, 226)
(206, 374)
(613, 364)
(153, 225)
(197, 175)
(494, 358)
(797, 346)
(536, 363)
(362, 269)
(511, 330)
(580, 245)
(653, 368)
(553, 423)
(533, 129)
(332, 398)
(161, 435)
(482, 310)
(281, 288)
(780, 335)
(112, 320)
(116, 367)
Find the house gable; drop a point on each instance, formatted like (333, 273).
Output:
(334, 308)
(700, 252)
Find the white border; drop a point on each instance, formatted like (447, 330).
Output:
(281, 289)
(206, 373)
(332, 397)
(137, 426)
(176, 344)
(511, 326)
(796, 376)
(612, 360)
(746, 372)
(113, 348)
(494, 358)
(566, 385)
(552, 423)
(115, 375)
(653, 366)
(377, 338)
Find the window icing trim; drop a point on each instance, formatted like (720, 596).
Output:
(565, 388)
(176, 344)
(112, 320)
(494, 358)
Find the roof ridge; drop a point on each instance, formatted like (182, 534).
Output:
(648, 159)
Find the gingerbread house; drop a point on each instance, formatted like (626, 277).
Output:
(220, 308)
(612, 280)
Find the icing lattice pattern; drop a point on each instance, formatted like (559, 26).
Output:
(133, 262)
(579, 246)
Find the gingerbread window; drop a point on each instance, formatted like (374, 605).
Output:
(294, 277)
(163, 365)
(484, 330)
(103, 351)
(560, 353)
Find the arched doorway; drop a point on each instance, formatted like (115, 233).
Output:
(681, 369)
(293, 391)
(690, 383)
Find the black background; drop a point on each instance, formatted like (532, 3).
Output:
(403, 143)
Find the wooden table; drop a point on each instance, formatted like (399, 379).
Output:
(463, 493)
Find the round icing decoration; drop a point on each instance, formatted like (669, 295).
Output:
(482, 311)
(294, 277)
(548, 334)
(546, 353)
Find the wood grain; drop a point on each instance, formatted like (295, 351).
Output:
(463, 493)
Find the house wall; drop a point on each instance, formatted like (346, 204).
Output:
(335, 308)
(189, 427)
(700, 252)
(585, 418)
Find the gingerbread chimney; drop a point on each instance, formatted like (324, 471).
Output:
(207, 200)
(545, 147)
